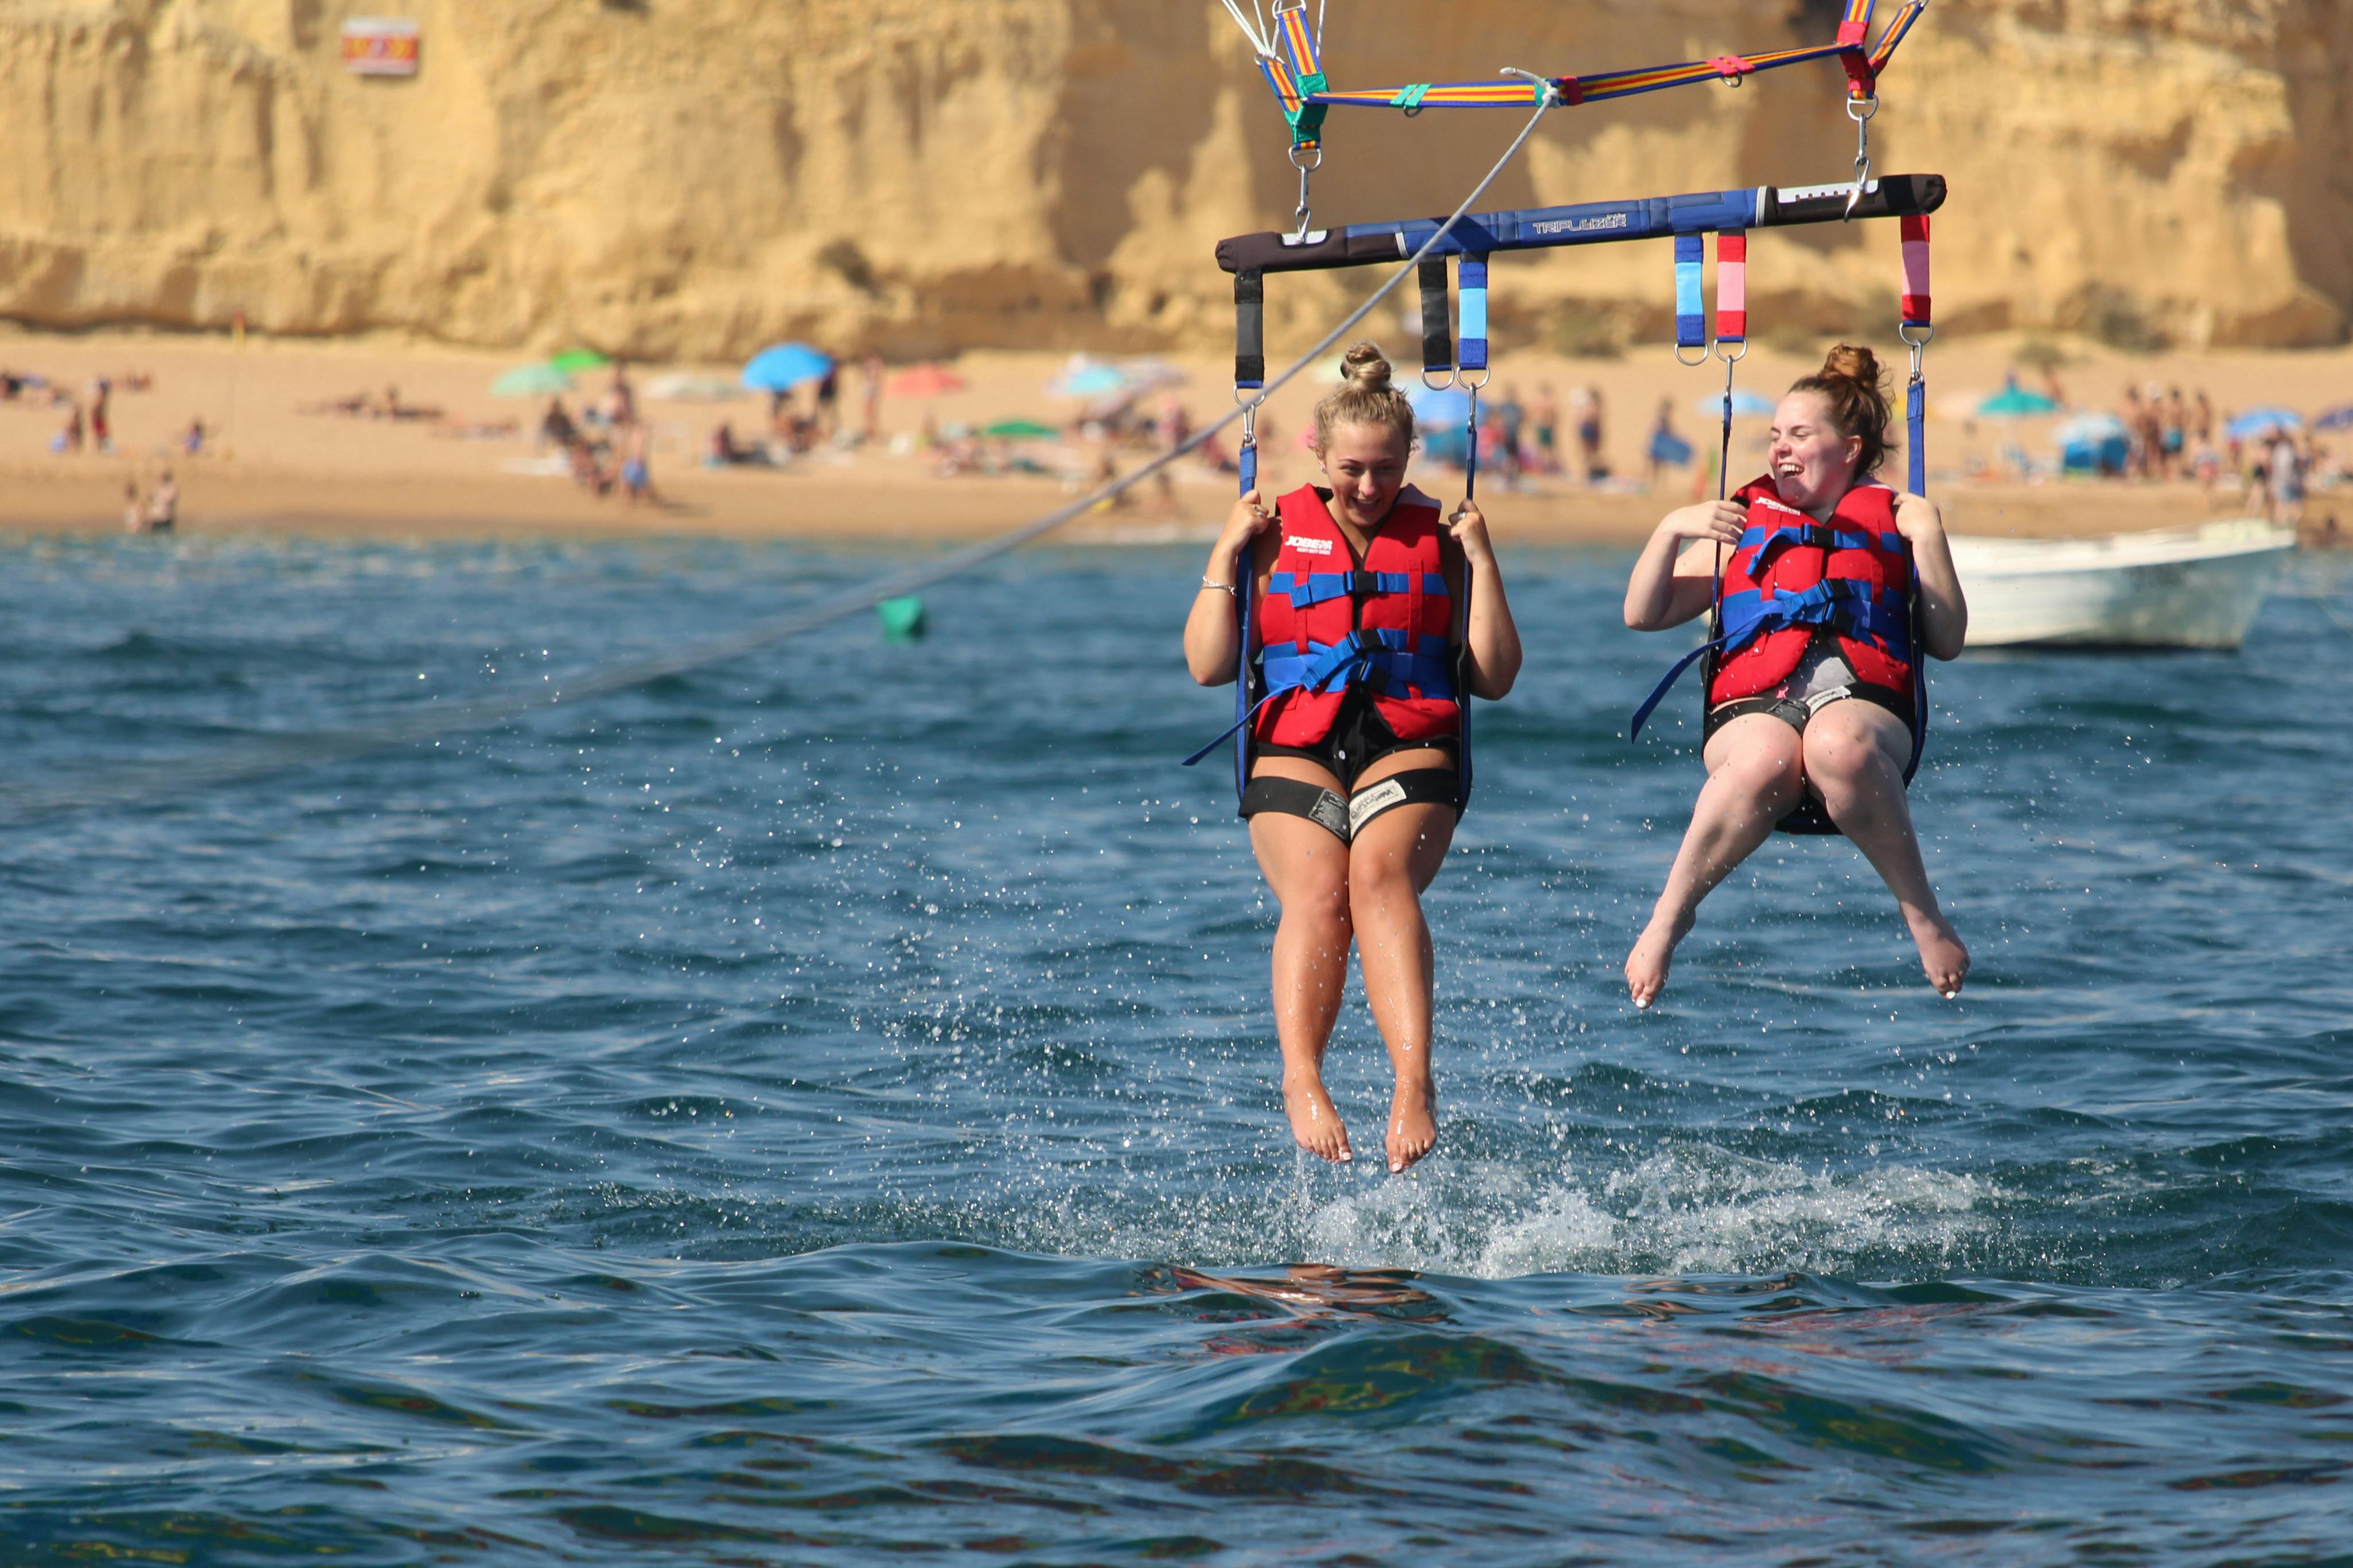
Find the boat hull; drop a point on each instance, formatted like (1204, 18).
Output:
(2189, 588)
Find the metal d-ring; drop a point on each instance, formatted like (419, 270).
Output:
(1691, 363)
(1477, 387)
(1730, 360)
(1453, 378)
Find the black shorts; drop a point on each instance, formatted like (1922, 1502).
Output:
(1359, 738)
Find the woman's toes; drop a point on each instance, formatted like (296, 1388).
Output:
(1413, 1128)
(1316, 1122)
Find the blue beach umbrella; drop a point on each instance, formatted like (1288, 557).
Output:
(2337, 418)
(1439, 418)
(783, 366)
(1745, 405)
(2093, 444)
(2255, 421)
(1088, 378)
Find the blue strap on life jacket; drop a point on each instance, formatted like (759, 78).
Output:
(1853, 610)
(1383, 659)
(1770, 542)
(1317, 587)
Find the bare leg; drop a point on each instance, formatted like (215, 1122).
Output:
(1393, 859)
(1854, 755)
(1307, 867)
(1753, 781)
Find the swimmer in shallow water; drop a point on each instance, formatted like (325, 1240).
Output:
(1820, 708)
(1355, 782)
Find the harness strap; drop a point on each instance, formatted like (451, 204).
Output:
(1691, 310)
(1732, 285)
(1472, 354)
(1250, 330)
(1315, 587)
(1437, 333)
(1915, 271)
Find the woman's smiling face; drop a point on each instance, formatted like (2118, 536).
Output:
(1365, 464)
(1811, 461)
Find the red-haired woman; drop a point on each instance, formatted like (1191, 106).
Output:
(1812, 699)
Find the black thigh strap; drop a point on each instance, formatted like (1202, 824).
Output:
(1326, 808)
(1416, 786)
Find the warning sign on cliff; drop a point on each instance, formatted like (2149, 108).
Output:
(380, 45)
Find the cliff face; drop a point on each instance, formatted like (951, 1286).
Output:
(695, 177)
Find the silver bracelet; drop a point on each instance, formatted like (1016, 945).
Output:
(1208, 581)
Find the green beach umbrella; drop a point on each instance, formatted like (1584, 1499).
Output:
(2016, 403)
(1018, 430)
(572, 360)
(532, 381)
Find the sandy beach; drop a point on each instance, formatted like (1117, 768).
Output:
(267, 466)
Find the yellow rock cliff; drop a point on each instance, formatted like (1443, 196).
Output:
(690, 178)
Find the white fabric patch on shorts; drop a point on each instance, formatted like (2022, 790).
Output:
(1308, 546)
(1380, 797)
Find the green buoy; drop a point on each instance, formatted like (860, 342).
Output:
(902, 618)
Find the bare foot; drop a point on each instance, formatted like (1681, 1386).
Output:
(1653, 954)
(1314, 1119)
(1413, 1127)
(1941, 953)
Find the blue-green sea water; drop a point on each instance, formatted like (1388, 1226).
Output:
(820, 1108)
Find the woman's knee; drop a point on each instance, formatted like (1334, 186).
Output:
(1379, 882)
(1842, 759)
(1772, 774)
(1317, 900)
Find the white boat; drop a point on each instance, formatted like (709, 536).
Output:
(2188, 587)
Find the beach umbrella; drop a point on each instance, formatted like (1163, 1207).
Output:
(780, 367)
(2016, 403)
(923, 381)
(686, 386)
(1018, 430)
(572, 360)
(2337, 418)
(532, 381)
(2089, 428)
(1745, 405)
(1151, 374)
(1440, 417)
(1087, 378)
(2256, 421)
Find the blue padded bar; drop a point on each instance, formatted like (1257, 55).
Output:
(1588, 222)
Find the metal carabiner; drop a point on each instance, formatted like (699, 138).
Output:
(1860, 111)
(1301, 214)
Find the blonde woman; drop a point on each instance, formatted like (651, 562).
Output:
(1368, 607)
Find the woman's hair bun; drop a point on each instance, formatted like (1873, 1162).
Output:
(1852, 361)
(1364, 365)
(1852, 384)
(1363, 398)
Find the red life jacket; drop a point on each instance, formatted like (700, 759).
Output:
(1790, 577)
(1326, 624)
